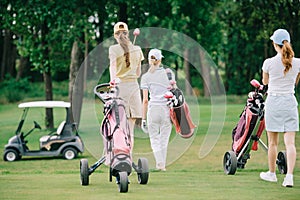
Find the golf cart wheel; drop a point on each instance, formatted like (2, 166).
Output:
(143, 175)
(84, 172)
(230, 163)
(11, 155)
(70, 153)
(123, 182)
(281, 162)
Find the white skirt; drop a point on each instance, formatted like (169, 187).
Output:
(281, 113)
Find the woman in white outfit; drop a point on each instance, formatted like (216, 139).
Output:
(156, 82)
(281, 74)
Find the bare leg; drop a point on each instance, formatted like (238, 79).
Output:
(289, 141)
(273, 140)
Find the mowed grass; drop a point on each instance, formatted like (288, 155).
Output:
(188, 177)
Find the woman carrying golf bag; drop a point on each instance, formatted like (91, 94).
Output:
(156, 82)
(281, 73)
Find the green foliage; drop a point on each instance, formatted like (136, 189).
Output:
(22, 90)
(234, 33)
(248, 26)
(14, 90)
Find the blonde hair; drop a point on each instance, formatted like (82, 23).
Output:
(154, 64)
(124, 41)
(287, 55)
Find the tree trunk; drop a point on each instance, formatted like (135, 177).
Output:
(49, 97)
(76, 88)
(218, 82)
(186, 67)
(23, 65)
(205, 74)
(47, 74)
(122, 14)
(8, 56)
(86, 59)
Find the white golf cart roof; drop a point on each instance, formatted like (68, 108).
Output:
(45, 104)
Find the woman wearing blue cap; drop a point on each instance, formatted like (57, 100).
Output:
(281, 73)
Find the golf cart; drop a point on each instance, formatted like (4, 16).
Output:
(64, 141)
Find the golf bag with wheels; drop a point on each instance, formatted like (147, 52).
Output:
(117, 142)
(179, 109)
(246, 134)
(116, 137)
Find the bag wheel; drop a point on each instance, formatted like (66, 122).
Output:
(143, 175)
(123, 182)
(230, 163)
(281, 162)
(84, 172)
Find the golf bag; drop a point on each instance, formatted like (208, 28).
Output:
(116, 136)
(179, 110)
(250, 116)
(246, 134)
(117, 142)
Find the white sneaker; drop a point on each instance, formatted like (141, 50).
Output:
(288, 181)
(161, 167)
(268, 176)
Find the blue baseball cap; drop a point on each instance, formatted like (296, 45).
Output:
(280, 35)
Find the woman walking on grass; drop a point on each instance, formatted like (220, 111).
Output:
(156, 82)
(125, 65)
(281, 73)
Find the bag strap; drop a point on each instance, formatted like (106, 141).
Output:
(169, 73)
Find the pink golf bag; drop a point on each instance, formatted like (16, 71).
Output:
(116, 136)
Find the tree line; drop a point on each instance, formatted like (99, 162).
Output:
(47, 40)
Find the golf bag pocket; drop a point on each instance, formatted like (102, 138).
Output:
(181, 118)
(238, 130)
(244, 129)
(121, 163)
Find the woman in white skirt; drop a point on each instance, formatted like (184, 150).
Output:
(281, 73)
(156, 82)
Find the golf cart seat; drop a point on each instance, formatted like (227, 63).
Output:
(59, 130)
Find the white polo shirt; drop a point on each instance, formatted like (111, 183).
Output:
(278, 82)
(157, 84)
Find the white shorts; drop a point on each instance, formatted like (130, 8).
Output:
(281, 113)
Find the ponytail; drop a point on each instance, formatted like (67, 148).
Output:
(287, 56)
(124, 41)
(154, 64)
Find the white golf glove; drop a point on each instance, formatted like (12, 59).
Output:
(144, 126)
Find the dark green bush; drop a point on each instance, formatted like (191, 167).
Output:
(14, 90)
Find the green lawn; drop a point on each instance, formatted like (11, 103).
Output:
(187, 177)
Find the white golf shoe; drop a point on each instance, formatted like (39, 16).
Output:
(288, 181)
(268, 176)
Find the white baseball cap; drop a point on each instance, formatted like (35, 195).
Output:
(156, 53)
(120, 26)
(280, 35)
